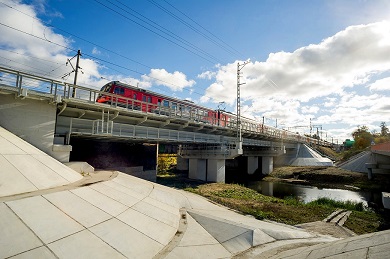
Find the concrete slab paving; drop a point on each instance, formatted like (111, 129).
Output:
(196, 252)
(28, 167)
(8, 148)
(127, 240)
(196, 202)
(40, 252)
(108, 205)
(119, 196)
(36, 172)
(379, 251)
(361, 253)
(158, 214)
(83, 244)
(19, 143)
(81, 167)
(10, 174)
(47, 221)
(196, 235)
(137, 185)
(163, 206)
(239, 243)
(219, 229)
(259, 238)
(150, 227)
(80, 210)
(126, 189)
(364, 246)
(65, 172)
(15, 236)
(168, 196)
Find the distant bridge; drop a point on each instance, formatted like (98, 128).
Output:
(48, 113)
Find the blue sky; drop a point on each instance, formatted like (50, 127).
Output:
(327, 61)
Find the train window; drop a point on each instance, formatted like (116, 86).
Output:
(149, 99)
(174, 106)
(144, 98)
(135, 96)
(119, 90)
(106, 88)
(159, 102)
(166, 103)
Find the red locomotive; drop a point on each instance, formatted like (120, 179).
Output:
(140, 99)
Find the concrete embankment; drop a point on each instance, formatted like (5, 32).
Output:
(114, 215)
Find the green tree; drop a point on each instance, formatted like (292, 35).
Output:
(384, 129)
(362, 137)
(383, 136)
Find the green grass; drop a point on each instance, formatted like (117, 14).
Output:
(347, 205)
(289, 210)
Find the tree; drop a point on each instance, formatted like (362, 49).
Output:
(362, 137)
(384, 129)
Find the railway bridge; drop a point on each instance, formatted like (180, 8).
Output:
(52, 115)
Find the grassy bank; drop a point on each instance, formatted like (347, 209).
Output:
(330, 177)
(290, 210)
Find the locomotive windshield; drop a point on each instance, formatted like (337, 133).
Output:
(105, 88)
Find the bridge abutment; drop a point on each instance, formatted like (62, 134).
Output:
(33, 121)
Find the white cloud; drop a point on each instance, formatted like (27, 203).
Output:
(207, 75)
(176, 81)
(25, 46)
(381, 85)
(344, 60)
(310, 109)
(95, 51)
(327, 73)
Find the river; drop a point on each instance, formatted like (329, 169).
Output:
(309, 193)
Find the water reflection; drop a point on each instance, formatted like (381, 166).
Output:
(309, 193)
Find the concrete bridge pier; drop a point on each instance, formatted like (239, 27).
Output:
(267, 164)
(252, 164)
(212, 170)
(216, 170)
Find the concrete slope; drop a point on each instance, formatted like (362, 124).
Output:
(358, 163)
(306, 156)
(370, 246)
(127, 217)
(25, 168)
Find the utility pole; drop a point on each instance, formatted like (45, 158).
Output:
(76, 72)
(239, 135)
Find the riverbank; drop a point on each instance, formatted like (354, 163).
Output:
(329, 177)
(290, 210)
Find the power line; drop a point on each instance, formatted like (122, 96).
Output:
(230, 49)
(41, 59)
(89, 43)
(157, 33)
(162, 29)
(92, 57)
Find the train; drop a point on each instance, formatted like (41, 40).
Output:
(135, 98)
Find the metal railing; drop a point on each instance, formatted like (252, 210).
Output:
(25, 84)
